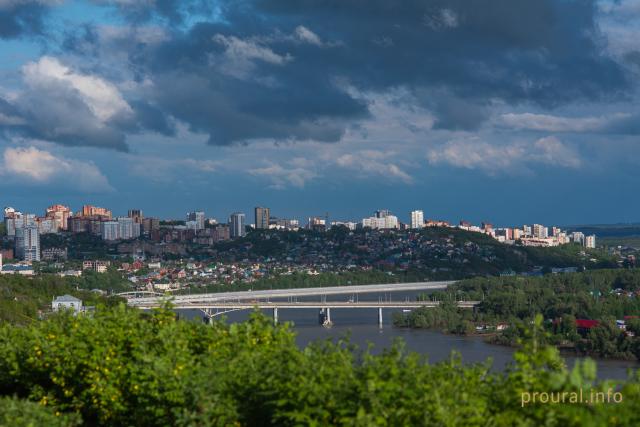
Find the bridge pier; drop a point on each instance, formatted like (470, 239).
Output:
(324, 316)
(380, 317)
(275, 315)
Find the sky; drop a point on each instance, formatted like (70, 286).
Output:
(508, 111)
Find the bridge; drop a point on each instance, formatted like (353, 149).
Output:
(136, 301)
(215, 304)
(324, 307)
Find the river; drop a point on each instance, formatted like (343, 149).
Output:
(361, 326)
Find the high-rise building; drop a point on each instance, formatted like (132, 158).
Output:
(198, 218)
(517, 233)
(540, 231)
(590, 241)
(150, 225)
(60, 215)
(136, 215)
(486, 226)
(12, 220)
(110, 230)
(88, 210)
(578, 237)
(417, 219)
(317, 223)
(262, 218)
(236, 225)
(526, 229)
(127, 229)
(27, 244)
(46, 225)
(382, 220)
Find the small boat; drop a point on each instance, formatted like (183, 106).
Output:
(406, 310)
(327, 323)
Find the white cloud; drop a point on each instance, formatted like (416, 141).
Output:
(550, 123)
(296, 175)
(306, 35)
(240, 55)
(39, 166)
(6, 120)
(552, 151)
(473, 153)
(103, 98)
(373, 163)
(618, 22)
(441, 20)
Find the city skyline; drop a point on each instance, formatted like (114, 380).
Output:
(187, 215)
(514, 112)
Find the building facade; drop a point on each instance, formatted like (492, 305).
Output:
(60, 215)
(237, 225)
(417, 219)
(110, 230)
(198, 219)
(262, 218)
(27, 244)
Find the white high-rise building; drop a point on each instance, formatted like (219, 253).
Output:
(590, 241)
(417, 219)
(198, 218)
(237, 225)
(125, 228)
(540, 231)
(109, 230)
(577, 237)
(27, 244)
(382, 220)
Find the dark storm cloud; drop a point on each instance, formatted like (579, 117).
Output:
(455, 56)
(22, 17)
(288, 70)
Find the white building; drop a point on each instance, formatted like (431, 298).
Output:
(67, 302)
(590, 241)
(97, 266)
(417, 219)
(127, 228)
(109, 230)
(236, 225)
(540, 231)
(577, 237)
(385, 222)
(27, 244)
(198, 218)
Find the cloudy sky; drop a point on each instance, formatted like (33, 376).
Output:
(511, 111)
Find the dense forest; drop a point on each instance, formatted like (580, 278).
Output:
(123, 367)
(601, 295)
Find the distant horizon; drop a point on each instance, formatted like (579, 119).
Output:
(402, 216)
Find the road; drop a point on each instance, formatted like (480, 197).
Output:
(287, 293)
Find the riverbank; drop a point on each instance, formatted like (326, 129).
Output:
(359, 327)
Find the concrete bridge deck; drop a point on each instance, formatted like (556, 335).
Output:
(305, 304)
(287, 293)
